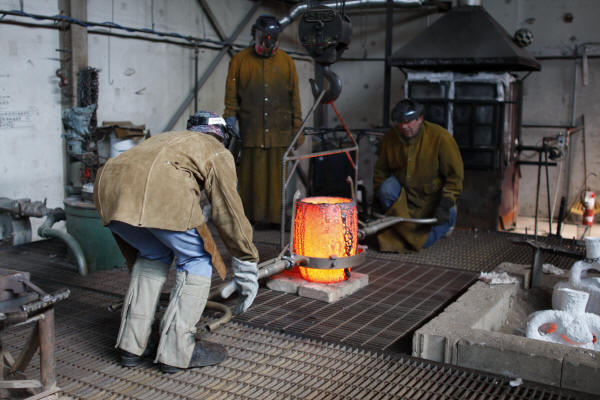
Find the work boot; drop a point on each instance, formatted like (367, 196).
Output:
(178, 348)
(139, 306)
(131, 360)
(205, 354)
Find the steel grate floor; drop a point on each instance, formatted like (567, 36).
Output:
(353, 357)
(262, 364)
(398, 299)
(468, 250)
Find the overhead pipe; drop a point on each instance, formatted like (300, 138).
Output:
(45, 230)
(349, 4)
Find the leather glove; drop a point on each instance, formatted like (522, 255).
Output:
(232, 122)
(245, 281)
(442, 213)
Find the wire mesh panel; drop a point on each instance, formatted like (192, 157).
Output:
(399, 298)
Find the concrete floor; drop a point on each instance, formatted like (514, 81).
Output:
(569, 231)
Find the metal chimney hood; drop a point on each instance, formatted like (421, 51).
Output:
(465, 39)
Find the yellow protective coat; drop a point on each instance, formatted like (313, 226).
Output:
(157, 184)
(429, 166)
(262, 93)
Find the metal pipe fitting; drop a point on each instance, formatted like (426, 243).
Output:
(386, 222)
(24, 207)
(348, 4)
(45, 230)
(225, 318)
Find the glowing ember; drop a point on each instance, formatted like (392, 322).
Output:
(325, 227)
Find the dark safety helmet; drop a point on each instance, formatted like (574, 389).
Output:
(406, 110)
(211, 123)
(265, 33)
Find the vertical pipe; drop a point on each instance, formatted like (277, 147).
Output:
(47, 355)
(537, 193)
(561, 215)
(573, 104)
(387, 72)
(321, 112)
(548, 192)
(195, 77)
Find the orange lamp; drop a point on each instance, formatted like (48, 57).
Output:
(325, 227)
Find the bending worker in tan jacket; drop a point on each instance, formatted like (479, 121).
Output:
(149, 196)
(418, 174)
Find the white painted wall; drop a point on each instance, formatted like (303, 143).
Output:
(548, 94)
(31, 148)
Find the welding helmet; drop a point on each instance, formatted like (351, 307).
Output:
(211, 123)
(265, 33)
(406, 111)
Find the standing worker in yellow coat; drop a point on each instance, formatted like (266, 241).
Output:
(262, 96)
(418, 174)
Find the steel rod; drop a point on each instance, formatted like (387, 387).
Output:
(537, 193)
(322, 153)
(286, 157)
(548, 193)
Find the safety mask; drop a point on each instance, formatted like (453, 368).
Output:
(266, 43)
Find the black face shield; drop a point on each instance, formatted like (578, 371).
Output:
(265, 33)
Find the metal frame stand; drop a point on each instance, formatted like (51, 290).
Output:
(292, 156)
(42, 336)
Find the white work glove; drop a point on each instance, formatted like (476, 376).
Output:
(245, 281)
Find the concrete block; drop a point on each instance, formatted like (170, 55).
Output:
(521, 271)
(581, 370)
(332, 292)
(466, 334)
(286, 281)
(513, 356)
(431, 347)
(292, 282)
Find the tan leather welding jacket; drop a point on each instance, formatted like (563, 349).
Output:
(429, 166)
(157, 184)
(262, 93)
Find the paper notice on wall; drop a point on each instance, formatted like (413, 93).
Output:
(11, 119)
(13, 115)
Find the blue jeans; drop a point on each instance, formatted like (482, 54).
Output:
(162, 245)
(388, 193)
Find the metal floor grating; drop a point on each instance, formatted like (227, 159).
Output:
(468, 250)
(262, 364)
(399, 298)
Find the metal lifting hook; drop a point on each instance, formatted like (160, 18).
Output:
(333, 91)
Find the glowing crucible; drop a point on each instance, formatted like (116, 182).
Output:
(325, 227)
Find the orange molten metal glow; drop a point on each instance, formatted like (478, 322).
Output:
(324, 227)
